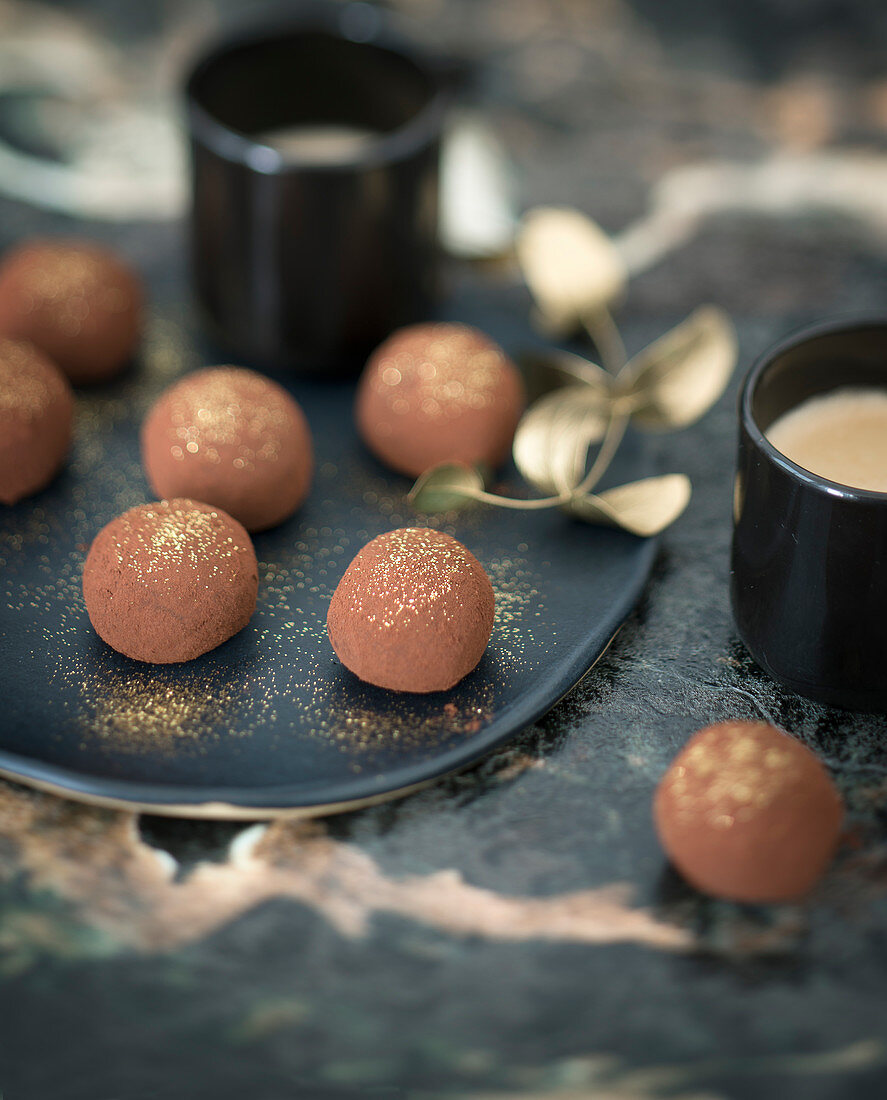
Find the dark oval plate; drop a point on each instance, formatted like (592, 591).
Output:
(271, 723)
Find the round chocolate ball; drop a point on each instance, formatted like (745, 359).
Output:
(36, 408)
(232, 438)
(166, 582)
(747, 813)
(437, 393)
(413, 611)
(76, 301)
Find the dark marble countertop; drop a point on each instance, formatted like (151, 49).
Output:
(515, 930)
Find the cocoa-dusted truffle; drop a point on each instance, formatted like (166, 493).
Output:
(413, 611)
(436, 393)
(232, 438)
(36, 407)
(166, 582)
(76, 301)
(748, 813)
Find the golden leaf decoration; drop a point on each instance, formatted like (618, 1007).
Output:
(574, 367)
(570, 265)
(446, 487)
(552, 440)
(678, 378)
(642, 507)
(546, 371)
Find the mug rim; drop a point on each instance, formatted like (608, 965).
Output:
(796, 338)
(418, 131)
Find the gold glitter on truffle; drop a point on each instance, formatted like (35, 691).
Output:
(227, 407)
(70, 279)
(456, 370)
(420, 569)
(171, 535)
(731, 779)
(26, 388)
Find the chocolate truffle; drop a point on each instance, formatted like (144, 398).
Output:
(36, 407)
(234, 439)
(76, 301)
(438, 393)
(166, 582)
(748, 813)
(413, 611)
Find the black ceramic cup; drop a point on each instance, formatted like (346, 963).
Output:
(303, 261)
(809, 570)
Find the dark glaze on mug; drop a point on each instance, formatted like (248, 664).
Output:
(310, 263)
(809, 563)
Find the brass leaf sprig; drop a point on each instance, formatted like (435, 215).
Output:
(575, 273)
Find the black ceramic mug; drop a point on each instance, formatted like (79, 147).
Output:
(809, 577)
(301, 259)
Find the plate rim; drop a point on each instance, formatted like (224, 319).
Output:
(341, 796)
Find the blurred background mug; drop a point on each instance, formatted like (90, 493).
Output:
(315, 162)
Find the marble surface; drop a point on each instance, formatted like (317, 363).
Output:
(515, 931)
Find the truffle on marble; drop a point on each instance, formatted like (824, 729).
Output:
(747, 813)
